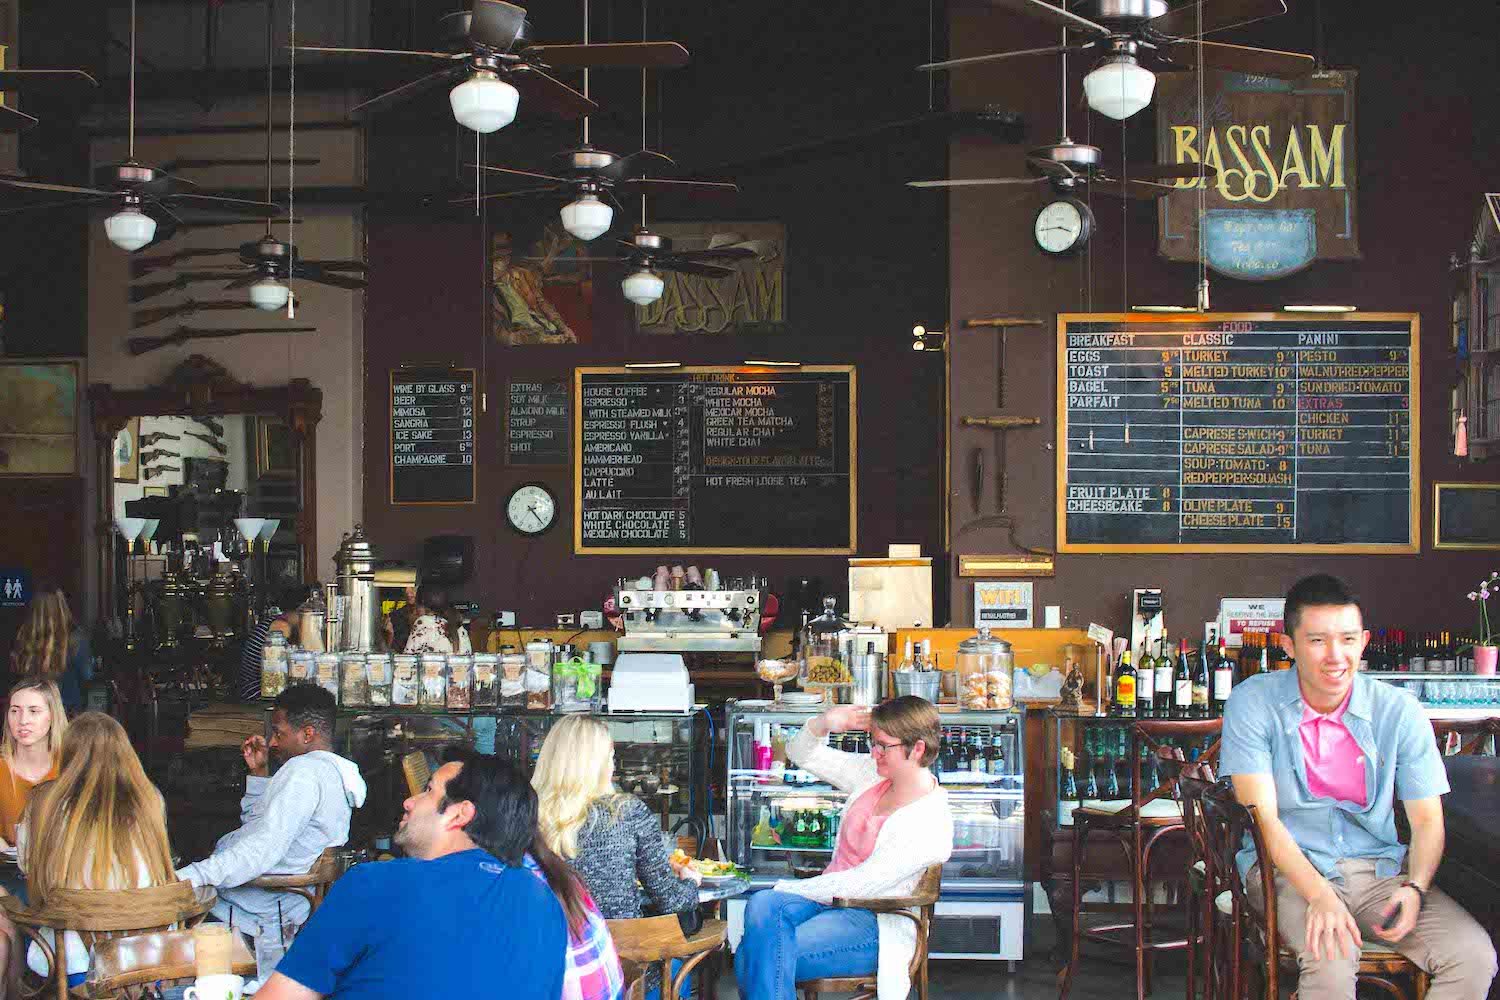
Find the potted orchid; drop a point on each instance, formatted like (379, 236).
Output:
(1485, 648)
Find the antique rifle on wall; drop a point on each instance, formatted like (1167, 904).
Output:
(145, 345)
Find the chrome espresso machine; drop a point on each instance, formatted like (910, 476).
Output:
(650, 673)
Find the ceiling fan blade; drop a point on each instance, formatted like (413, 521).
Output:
(1164, 171)
(638, 163)
(524, 193)
(681, 266)
(406, 91)
(230, 161)
(40, 206)
(976, 182)
(1238, 59)
(60, 188)
(518, 173)
(1221, 15)
(626, 55)
(12, 120)
(1141, 190)
(549, 94)
(26, 81)
(411, 53)
(149, 290)
(576, 260)
(339, 265)
(309, 272)
(245, 281)
(496, 24)
(223, 223)
(229, 204)
(715, 253)
(995, 57)
(667, 185)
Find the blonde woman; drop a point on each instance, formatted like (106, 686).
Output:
(51, 645)
(100, 825)
(35, 724)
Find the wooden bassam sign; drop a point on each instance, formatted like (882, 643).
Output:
(751, 300)
(1285, 154)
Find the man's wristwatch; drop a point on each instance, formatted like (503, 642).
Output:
(1421, 892)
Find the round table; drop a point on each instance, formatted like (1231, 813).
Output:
(722, 891)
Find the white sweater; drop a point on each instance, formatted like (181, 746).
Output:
(912, 839)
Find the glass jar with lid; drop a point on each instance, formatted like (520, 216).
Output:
(433, 668)
(326, 673)
(406, 680)
(822, 659)
(486, 682)
(378, 670)
(984, 668)
(354, 681)
(273, 665)
(539, 674)
(512, 678)
(460, 681)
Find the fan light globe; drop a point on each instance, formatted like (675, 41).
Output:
(1119, 87)
(268, 294)
(643, 287)
(587, 218)
(484, 103)
(130, 228)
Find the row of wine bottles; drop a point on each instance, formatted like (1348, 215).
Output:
(1194, 684)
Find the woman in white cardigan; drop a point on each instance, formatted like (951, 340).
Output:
(895, 824)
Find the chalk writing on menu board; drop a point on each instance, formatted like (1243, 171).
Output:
(432, 435)
(715, 460)
(1263, 432)
(536, 423)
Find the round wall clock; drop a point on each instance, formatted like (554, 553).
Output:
(1063, 226)
(531, 509)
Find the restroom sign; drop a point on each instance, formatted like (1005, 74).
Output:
(15, 587)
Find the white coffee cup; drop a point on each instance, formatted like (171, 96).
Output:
(216, 988)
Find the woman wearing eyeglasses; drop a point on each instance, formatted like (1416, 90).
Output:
(895, 825)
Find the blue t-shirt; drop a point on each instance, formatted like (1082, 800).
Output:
(454, 927)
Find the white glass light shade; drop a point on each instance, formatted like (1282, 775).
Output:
(130, 527)
(587, 218)
(149, 531)
(249, 527)
(484, 103)
(268, 294)
(643, 287)
(130, 228)
(1119, 87)
(269, 528)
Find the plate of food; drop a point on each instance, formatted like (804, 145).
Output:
(712, 872)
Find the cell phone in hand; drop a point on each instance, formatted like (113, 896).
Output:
(1390, 921)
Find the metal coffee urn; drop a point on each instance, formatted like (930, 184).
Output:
(355, 566)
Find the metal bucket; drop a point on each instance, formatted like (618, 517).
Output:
(922, 683)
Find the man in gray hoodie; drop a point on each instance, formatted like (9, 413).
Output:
(286, 821)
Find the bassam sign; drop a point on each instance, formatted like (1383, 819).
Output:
(1284, 155)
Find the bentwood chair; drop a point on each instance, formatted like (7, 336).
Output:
(918, 908)
(1248, 927)
(417, 770)
(1203, 881)
(1138, 830)
(136, 936)
(646, 941)
(1469, 737)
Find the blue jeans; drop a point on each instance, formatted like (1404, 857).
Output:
(789, 939)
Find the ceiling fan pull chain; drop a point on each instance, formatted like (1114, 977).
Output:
(291, 166)
(132, 81)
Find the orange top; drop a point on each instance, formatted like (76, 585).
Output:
(14, 791)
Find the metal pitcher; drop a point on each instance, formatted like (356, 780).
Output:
(355, 564)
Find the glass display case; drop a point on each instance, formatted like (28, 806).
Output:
(782, 822)
(1091, 764)
(1449, 696)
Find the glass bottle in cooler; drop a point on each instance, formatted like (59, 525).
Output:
(979, 763)
(1163, 681)
(1111, 774)
(1091, 745)
(1069, 789)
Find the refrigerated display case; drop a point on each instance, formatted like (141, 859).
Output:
(782, 822)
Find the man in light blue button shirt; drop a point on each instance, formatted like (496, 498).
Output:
(1296, 742)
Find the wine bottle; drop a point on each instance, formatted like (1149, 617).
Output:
(1163, 683)
(1145, 684)
(1224, 671)
(1201, 681)
(1069, 788)
(1125, 688)
(1182, 684)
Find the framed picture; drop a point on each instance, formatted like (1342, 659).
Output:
(155, 491)
(275, 448)
(127, 452)
(38, 416)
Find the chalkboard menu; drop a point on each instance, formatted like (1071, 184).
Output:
(714, 460)
(1466, 515)
(432, 435)
(1272, 432)
(536, 423)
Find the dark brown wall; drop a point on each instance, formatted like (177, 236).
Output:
(1426, 150)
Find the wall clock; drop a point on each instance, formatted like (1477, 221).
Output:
(531, 509)
(1063, 226)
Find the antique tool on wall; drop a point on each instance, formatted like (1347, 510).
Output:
(147, 440)
(1003, 324)
(210, 423)
(1000, 425)
(976, 483)
(212, 442)
(145, 317)
(145, 345)
(152, 455)
(160, 470)
(150, 289)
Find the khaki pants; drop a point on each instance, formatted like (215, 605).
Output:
(1446, 943)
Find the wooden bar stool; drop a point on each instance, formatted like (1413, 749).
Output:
(1203, 879)
(924, 901)
(645, 941)
(1138, 830)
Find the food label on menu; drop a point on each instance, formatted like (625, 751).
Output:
(432, 435)
(536, 423)
(715, 459)
(1224, 434)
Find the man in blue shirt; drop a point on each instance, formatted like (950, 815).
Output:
(1323, 753)
(460, 917)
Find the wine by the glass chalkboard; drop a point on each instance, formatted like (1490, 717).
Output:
(714, 459)
(1264, 432)
(536, 422)
(432, 436)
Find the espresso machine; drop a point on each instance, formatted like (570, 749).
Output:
(689, 621)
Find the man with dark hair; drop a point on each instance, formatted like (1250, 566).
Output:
(461, 916)
(286, 821)
(1323, 753)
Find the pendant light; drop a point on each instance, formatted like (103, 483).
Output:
(587, 217)
(130, 228)
(1119, 86)
(643, 287)
(484, 102)
(269, 294)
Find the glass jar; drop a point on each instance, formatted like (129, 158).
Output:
(512, 678)
(486, 689)
(822, 659)
(378, 672)
(984, 667)
(434, 671)
(354, 681)
(460, 681)
(326, 668)
(538, 680)
(575, 685)
(406, 680)
(301, 668)
(273, 665)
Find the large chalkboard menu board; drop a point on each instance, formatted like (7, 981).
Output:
(698, 459)
(536, 423)
(432, 435)
(1272, 432)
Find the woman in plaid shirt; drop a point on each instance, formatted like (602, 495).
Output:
(592, 970)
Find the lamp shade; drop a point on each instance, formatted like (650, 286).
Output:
(484, 103)
(587, 218)
(268, 528)
(249, 527)
(643, 287)
(268, 294)
(149, 531)
(130, 527)
(130, 228)
(1119, 87)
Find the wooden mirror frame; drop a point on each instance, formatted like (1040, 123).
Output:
(200, 387)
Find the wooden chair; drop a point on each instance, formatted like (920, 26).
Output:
(1138, 830)
(1251, 930)
(924, 901)
(135, 935)
(645, 941)
(1472, 736)
(1192, 780)
(312, 885)
(418, 772)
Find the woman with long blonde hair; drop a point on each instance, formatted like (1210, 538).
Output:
(51, 645)
(30, 750)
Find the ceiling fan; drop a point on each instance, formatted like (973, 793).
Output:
(1068, 166)
(647, 253)
(1122, 32)
(146, 195)
(24, 81)
(497, 62)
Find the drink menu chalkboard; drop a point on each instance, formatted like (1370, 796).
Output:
(699, 459)
(432, 435)
(1237, 432)
(536, 423)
